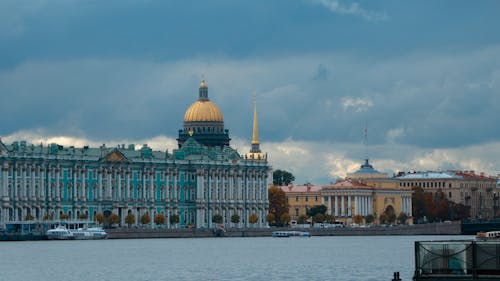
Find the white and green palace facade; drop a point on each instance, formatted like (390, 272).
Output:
(200, 179)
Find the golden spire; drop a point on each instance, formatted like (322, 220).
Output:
(255, 135)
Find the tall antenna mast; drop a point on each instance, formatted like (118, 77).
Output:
(365, 140)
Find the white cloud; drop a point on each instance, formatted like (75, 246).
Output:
(357, 104)
(354, 9)
(393, 134)
(319, 162)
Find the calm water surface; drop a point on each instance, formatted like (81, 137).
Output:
(316, 258)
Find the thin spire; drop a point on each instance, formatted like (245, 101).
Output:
(365, 141)
(255, 135)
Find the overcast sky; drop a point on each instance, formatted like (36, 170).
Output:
(422, 76)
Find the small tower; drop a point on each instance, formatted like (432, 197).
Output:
(255, 152)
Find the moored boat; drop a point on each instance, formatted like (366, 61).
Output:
(60, 233)
(489, 235)
(89, 233)
(291, 234)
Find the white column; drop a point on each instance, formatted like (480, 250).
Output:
(73, 185)
(362, 203)
(356, 212)
(367, 205)
(42, 183)
(342, 207)
(336, 206)
(410, 207)
(58, 170)
(100, 173)
(167, 186)
(349, 206)
(174, 187)
(109, 185)
(152, 186)
(330, 199)
(32, 186)
(5, 173)
(119, 174)
(85, 191)
(370, 205)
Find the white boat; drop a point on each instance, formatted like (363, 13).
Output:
(60, 233)
(291, 234)
(89, 233)
(490, 235)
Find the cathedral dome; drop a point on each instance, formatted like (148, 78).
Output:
(203, 110)
(203, 121)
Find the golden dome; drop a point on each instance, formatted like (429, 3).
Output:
(203, 110)
(203, 84)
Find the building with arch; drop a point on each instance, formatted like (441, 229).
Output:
(204, 176)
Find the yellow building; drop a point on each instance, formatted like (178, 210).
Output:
(367, 192)
(301, 198)
(348, 198)
(364, 192)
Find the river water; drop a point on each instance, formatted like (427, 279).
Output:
(261, 258)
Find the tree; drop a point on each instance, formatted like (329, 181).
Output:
(253, 219)
(281, 178)
(390, 214)
(302, 219)
(329, 218)
(160, 219)
(174, 219)
(217, 218)
(48, 217)
(369, 218)
(402, 218)
(145, 218)
(357, 219)
(383, 218)
(278, 206)
(235, 218)
(83, 216)
(285, 219)
(29, 217)
(63, 216)
(130, 219)
(114, 219)
(270, 219)
(99, 218)
(318, 209)
(318, 218)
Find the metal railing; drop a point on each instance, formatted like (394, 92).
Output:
(457, 259)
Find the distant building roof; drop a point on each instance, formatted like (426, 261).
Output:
(301, 188)
(428, 175)
(349, 184)
(443, 175)
(366, 171)
(366, 168)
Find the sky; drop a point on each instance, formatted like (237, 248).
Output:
(422, 78)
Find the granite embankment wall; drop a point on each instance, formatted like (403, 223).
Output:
(420, 229)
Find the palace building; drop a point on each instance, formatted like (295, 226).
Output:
(203, 177)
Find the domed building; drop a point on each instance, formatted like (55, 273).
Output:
(188, 186)
(204, 122)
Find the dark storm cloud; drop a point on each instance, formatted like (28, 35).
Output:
(424, 83)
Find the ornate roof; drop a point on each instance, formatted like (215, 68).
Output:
(367, 168)
(203, 110)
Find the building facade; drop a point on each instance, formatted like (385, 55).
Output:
(301, 198)
(364, 192)
(476, 191)
(204, 176)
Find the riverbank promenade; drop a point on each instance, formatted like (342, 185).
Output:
(419, 229)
